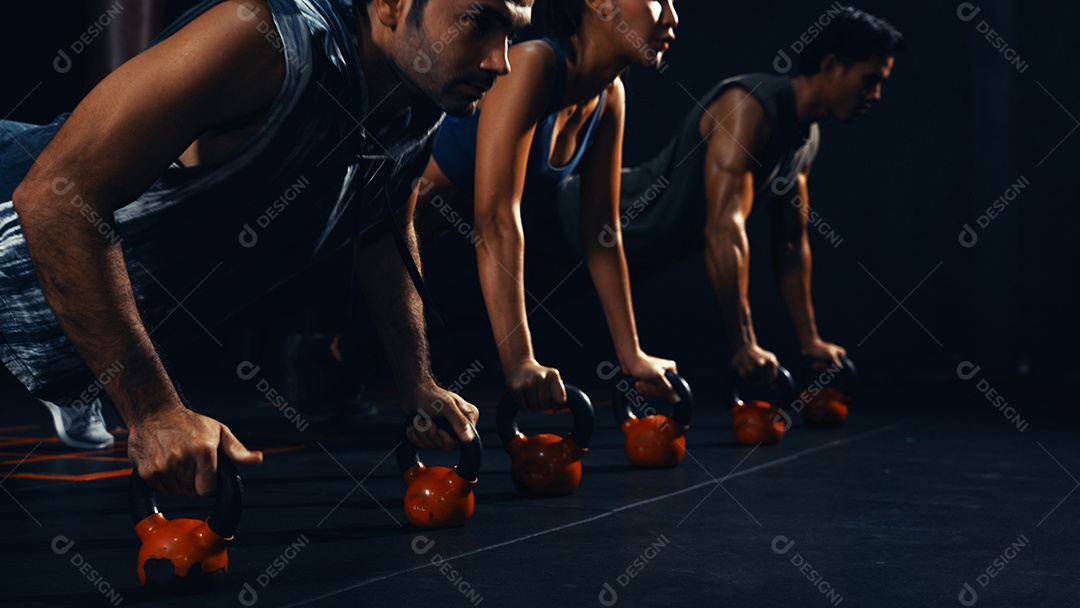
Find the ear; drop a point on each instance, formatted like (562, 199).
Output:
(390, 13)
(831, 66)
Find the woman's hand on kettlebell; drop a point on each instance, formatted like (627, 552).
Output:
(535, 387)
(649, 376)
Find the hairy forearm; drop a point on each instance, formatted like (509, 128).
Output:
(727, 261)
(85, 281)
(396, 309)
(500, 262)
(793, 267)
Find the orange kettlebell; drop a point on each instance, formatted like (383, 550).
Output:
(655, 440)
(186, 555)
(547, 464)
(826, 392)
(439, 497)
(761, 419)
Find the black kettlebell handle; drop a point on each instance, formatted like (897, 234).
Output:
(684, 409)
(468, 466)
(783, 394)
(845, 380)
(228, 505)
(576, 400)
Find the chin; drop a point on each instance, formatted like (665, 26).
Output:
(459, 107)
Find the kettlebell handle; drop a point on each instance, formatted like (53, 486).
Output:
(782, 395)
(228, 504)
(577, 402)
(684, 409)
(468, 466)
(845, 380)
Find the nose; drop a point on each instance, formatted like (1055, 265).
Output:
(671, 15)
(497, 60)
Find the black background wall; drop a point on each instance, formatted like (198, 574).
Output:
(959, 125)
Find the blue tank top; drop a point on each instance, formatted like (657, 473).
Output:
(455, 146)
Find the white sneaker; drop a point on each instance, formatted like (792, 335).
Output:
(80, 426)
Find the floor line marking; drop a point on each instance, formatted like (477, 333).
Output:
(633, 505)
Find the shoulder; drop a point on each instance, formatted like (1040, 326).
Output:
(739, 112)
(233, 44)
(527, 89)
(533, 59)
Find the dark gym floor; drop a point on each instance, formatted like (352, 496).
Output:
(925, 490)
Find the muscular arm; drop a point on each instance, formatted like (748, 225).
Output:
(600, 172)
(504, 136)
(114, 145)
(736, 130)
(397, 312)
(792, 262)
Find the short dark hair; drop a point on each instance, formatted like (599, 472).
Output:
(853, 36)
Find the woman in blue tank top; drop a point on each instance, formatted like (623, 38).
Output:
(560, 111)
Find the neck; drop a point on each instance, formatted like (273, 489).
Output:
(810, 106)
(389, 93)
(593, 68)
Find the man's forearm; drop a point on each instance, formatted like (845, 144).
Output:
(396, 309)
(793, 268)
(85, 281)
(727, 261)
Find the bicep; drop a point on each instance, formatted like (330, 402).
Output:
(733, 144)
(139, 119)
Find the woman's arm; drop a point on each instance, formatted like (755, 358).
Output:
(508, 119)
(600, 172)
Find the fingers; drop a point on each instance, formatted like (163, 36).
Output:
(554, 392)
(236, 451)
(462, 429)
(422, 432)
(538, 389)
(462, 416)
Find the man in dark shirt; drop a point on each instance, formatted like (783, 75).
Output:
(751, 141)
(161, 179)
